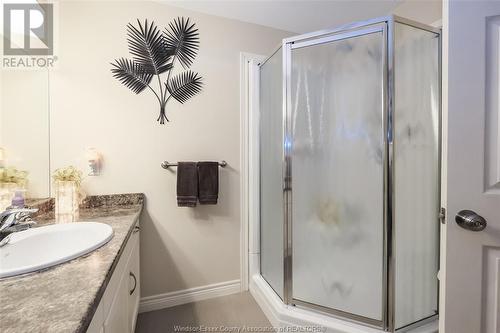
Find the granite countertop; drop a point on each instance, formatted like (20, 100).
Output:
(64, 298)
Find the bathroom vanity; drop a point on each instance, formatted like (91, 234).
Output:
(98, 292)
(119, 305)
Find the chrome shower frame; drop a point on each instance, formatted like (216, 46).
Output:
(386, 26)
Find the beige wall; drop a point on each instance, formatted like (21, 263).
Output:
(423, 11)
(180, 247)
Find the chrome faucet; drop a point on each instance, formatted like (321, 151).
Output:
(16, 219)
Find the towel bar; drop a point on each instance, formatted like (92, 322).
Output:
(166, 164)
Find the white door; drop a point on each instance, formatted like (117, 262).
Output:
(471, 94)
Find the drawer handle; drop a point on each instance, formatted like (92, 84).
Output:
(135, 282)
(137, 229)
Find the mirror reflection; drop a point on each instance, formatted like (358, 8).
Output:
(24, 134)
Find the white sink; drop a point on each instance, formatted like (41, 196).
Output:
(38, 248)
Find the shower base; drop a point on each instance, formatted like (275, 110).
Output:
(285, 316)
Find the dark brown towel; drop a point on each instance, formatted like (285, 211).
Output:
(187, 184)
(208, 182)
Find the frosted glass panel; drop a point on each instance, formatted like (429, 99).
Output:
(271, 156)
(416, 181)
(337, 174)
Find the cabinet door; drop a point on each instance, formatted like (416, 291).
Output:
(96, 325)
(134, 291)
(117, 320)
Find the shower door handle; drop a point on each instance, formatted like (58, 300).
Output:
(469, 220)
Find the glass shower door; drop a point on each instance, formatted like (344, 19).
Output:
(271, 165)
(337, 163)
(416, 174)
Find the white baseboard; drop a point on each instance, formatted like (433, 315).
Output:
(167, 300)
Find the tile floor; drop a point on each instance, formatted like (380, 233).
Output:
(221, 314)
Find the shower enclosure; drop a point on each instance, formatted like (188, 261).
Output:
(350, 172)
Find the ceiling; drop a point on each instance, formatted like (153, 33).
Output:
(298, 16)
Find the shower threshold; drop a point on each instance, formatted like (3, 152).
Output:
(289, 317)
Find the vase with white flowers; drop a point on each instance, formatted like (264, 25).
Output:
(68, 194)
(11, 180)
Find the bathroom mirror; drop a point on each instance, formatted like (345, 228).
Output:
(24, 133)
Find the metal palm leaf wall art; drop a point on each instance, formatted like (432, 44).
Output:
(154, 53)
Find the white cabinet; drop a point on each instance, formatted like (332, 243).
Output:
(134, 288)
(118, 308)
(117, 318)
